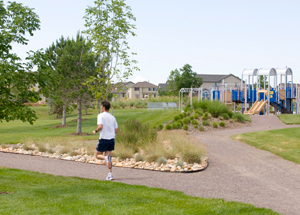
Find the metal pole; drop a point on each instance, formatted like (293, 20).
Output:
(245, 95)
(179, 101)
(191, 97)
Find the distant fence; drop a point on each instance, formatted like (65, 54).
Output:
(161, 105)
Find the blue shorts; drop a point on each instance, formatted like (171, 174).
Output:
(105, 145)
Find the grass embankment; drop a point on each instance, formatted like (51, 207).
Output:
(282, 142)
(289, 119)
(16, 131)
(26, 192)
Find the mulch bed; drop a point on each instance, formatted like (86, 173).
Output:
(2, 192)
(78, 134)
(75, 120)
(61, 126)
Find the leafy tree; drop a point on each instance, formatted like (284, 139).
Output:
(66, 65)
(16, 79)
(183, 78)
(109, 24)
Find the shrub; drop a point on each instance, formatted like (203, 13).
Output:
(131, 103)
(41, 147)
(215, 124)
(169, 127)
(205, 116)
(192, 117)
(220, 118)
(152, 157)
(160, 127)
(201, 128)
(179, 163)
(188, 113)
(161, 160)
(196, 116)
(181, 116)
(180, 122)
(225, 116)
(206, 123)
(217, 108)
(238, 117)
(186, 120)
(195, 122)
(138, 157)
(195, 126)
(185, 127)
(222, 124)
(176, 118)
(199, 111)
(186, 109)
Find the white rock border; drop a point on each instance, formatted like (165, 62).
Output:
(171, 165)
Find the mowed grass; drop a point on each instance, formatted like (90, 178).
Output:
(35, 193)
(289, 119)
(282, 142)
(16, 131)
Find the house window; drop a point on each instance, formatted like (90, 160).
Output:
(154, 89)
(149, 89)
(136, 89)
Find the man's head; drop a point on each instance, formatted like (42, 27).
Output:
(106, 105)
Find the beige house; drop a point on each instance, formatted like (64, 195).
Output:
(211, 80)
(120, 90)
(142, 90)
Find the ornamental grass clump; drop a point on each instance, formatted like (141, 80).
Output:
(186, 120)
(161, 160)
(169, 127)
(225, 116)
(206, 123)
(192, 153)
(215, 124)
(134, 134)
(201, 128)
(222, 124)
(185, 127)
(195, 122)
(238, 117)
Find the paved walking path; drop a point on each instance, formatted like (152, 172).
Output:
(236, 172)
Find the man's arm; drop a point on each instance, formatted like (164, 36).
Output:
(99, 128)
(116, 130)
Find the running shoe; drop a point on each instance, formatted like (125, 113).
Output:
(109, 177)
(108, 161)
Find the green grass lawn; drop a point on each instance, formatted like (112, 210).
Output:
(16, 131)
(289, 118)
(35, 193)
(282, 142)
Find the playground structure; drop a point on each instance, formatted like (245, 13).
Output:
(272, 97)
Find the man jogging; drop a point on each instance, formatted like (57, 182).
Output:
(108, 127)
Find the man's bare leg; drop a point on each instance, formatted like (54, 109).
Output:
(100, 156)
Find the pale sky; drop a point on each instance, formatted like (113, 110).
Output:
(214, 37)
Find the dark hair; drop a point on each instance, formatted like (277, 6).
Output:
(106, 105)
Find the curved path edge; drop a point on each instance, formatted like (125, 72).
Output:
(237, 171)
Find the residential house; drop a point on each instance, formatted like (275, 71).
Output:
(142, 90)
(209, 80)
(120, 89)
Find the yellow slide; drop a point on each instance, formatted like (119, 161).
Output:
(256, 107)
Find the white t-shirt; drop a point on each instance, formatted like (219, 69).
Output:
(109, 123)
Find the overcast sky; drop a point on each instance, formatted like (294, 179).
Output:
(214, 37)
